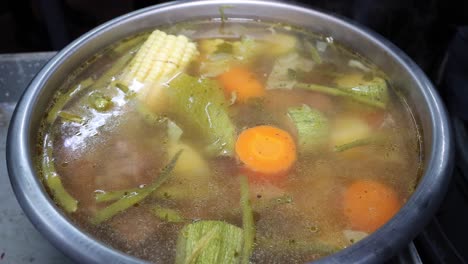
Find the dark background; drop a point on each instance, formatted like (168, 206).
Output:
(422, 28)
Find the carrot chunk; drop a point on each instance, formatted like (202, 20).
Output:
(242, 82)
(369, 204)
(266, 150)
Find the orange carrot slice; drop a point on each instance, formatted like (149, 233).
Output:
(369, 204)
(242, 82)
(266, 150)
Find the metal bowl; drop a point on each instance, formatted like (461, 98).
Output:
(404, 73)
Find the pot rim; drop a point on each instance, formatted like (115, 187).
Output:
(81, 247)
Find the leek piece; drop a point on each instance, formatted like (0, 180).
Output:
(206, 242)
(312, 127)
(137, 196)
(200, 105)
(247, 221)
(53, 181)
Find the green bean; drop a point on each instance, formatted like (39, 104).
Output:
(377, 138)
(85, 85)
(124, 88)
(247, 220)
(65, 98)
(167, 214)
(53, 181)
(137, 196)
(338, 92)
(113, 195)
(71, 117)
(354, 144)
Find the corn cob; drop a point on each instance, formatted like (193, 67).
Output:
(160, 57)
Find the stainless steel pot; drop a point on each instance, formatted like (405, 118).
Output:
(419, 92)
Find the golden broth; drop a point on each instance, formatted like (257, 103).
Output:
(298, 217)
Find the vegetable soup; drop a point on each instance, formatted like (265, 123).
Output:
(229, 142)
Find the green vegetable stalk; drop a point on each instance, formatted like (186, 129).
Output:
(375, 139)
(359, 97)
(132, 198)
(53, 181)
(354, 144)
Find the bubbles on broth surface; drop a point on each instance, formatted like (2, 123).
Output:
(110, 155)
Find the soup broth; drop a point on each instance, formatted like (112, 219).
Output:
(256, 141)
